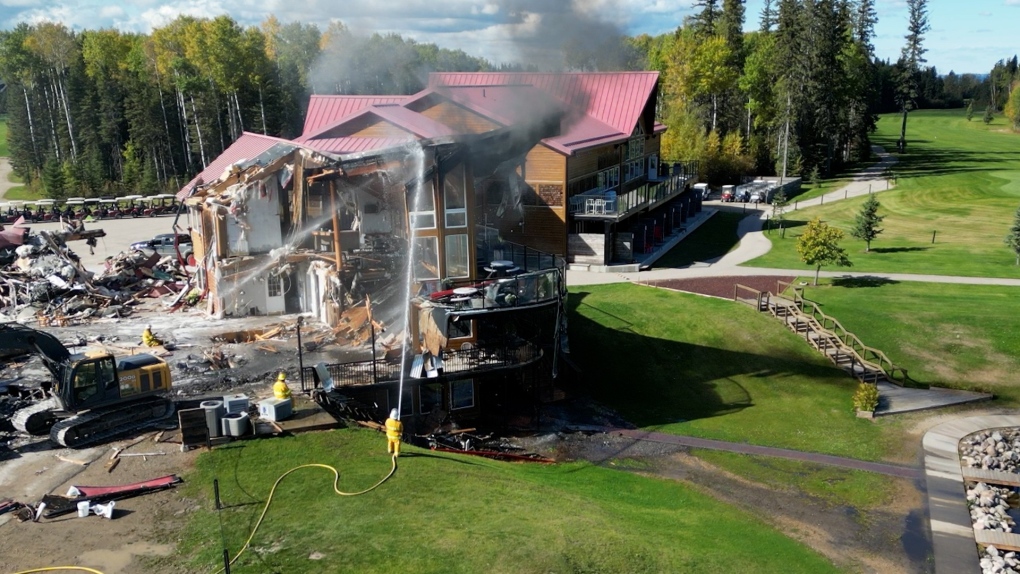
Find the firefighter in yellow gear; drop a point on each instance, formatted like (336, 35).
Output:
(280, 388)
(148, 339)
(394, 430)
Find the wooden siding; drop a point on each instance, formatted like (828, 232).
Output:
(586, 162)
(653, 145)
(545, 229)
(459, 119)
(545, 166)
(379, 129)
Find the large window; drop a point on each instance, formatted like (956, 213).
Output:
(462, 394)
(430, 397)
(609, 178)
(426, 258)
(423, 207)
(455, 198)
(457, 255)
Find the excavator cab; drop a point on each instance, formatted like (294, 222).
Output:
(98, 380)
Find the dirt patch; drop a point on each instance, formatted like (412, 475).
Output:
(721, 286)
(890, 538)
(125, 544)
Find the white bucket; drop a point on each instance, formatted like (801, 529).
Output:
(83, 509)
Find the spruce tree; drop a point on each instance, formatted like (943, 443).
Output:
(988, 115)
(910, 61)
(866, 223)
(1013, 237)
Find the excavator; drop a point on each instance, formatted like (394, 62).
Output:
(93, 396)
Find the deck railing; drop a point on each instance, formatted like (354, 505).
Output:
(480, 358)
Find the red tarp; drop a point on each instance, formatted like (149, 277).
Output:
(162, 482)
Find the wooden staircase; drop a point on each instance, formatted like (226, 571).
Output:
(828, 337)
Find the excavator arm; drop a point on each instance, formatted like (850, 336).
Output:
(17, 340)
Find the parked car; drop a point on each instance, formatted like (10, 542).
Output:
(163, 244)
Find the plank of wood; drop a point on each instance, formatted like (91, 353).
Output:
(991, 476)
(371, 425)
(112, 464)
(73, 461)
(998, 539)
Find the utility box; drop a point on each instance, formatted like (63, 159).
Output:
(234, 404)
(276, 409)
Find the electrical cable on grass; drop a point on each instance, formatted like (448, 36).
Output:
(272, 492)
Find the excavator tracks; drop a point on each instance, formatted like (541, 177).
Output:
(36, 419)
(100, 424)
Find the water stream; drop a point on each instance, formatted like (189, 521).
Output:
(419, 158)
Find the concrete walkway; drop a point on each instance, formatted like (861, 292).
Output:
(952, 531)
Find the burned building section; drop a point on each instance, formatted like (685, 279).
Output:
(397, 250)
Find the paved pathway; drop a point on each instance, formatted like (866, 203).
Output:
(742, 448)
(5, 174)
(952, 531)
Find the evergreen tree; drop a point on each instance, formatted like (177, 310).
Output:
(53, 178)
(970, 109)
(705, 20)
(819, 245)
(1013, 238)
(767, 18)
(988, 115)
(866, 224)
(910, 61)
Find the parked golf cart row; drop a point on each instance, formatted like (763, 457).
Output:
(95, 207)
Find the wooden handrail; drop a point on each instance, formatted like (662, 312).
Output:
(867, 355)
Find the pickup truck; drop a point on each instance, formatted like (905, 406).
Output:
(163, 244)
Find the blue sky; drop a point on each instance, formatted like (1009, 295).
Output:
(965, 36)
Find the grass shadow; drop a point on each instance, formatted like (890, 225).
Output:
(864, 281)
(713, 239)
(899, 249)
(679, 380)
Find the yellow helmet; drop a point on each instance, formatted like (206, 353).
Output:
(282, 377)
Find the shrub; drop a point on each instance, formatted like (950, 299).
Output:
(866, 397)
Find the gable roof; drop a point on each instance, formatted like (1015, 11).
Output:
(615, 99)
(247, 147)
(324, 111)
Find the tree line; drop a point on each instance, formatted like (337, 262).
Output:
(104, 112)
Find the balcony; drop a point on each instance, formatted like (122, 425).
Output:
(483, 358)
(608, 204)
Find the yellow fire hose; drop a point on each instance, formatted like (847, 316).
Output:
(269, 501)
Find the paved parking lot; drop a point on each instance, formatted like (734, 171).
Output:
(120, 234)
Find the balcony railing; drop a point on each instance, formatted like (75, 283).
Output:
(601, 202)
(465, 360)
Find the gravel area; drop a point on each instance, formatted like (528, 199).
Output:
(720, 286)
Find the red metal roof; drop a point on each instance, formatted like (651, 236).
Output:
(354, 145)
(324, 111)
(397, 115)
(248, 146)
(614, 98)
(505, 105)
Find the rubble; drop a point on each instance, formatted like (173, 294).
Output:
(992, 450)
(42, 279)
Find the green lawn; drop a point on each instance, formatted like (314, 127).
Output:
(697, 366)
(834, 485)
(461, 514)
(959, 180)
(3, 137)
(714, 238)
(961, 336)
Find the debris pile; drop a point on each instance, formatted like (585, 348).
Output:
(43, 279)
(992, 450)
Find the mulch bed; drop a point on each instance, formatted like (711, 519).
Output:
(721, 286)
